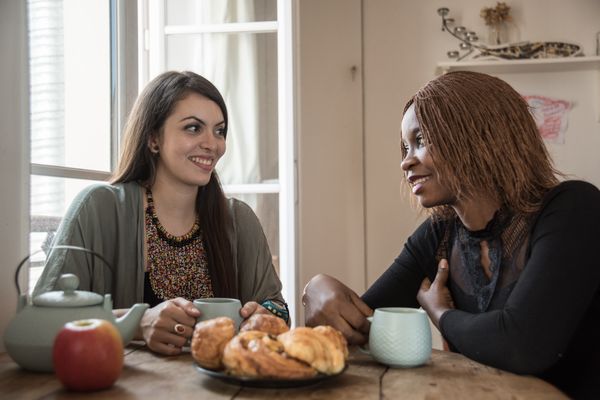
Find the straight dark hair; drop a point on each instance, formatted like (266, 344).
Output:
(137, 164)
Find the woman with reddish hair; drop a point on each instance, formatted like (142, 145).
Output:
(505, 265)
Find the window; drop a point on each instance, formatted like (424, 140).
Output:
(245, 48)
(70, 103)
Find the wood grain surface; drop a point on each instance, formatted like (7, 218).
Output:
(150, 376)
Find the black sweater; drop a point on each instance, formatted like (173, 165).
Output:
(547, 322)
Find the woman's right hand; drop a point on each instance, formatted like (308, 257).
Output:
(328, 301)
(159, 323)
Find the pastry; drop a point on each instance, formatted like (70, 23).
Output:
(255, 354)
(323, 348)
(265, 323)
(209, 340)
(334, 336)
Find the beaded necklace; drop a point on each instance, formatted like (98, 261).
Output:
(177, 265)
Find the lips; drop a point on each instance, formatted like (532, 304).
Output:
(417, 181)
(206, 163)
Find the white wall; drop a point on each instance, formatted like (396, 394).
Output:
(330, 170)
(14, 150)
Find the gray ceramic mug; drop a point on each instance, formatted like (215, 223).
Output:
(214, 307)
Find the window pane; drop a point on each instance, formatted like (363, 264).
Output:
(190, 12)
(50, 198)
(244, 68)
(70, 83)
(266, 207)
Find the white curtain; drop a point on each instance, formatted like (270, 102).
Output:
(230, 62)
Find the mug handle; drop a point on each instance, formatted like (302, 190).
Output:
(365, 347)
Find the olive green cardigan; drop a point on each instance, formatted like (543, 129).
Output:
(109, 220)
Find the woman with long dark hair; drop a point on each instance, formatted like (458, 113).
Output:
(164, 223)
(505, 266)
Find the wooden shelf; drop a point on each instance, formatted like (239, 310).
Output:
(511, 66)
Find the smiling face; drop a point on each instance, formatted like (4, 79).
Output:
(418, 165)
(191, 142)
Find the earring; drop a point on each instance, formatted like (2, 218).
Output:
(154, 150)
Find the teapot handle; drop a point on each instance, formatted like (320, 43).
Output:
(60, 246)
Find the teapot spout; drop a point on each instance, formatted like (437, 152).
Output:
(128, 323)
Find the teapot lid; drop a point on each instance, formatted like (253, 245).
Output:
(68, 296)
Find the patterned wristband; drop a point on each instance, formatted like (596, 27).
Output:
(277, 310)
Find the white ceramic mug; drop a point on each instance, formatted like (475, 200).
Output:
(214, 307)
(400, 337)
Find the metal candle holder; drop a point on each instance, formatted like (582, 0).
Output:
(467, 37)
(512, 51)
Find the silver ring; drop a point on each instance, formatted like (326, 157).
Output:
(179, 329)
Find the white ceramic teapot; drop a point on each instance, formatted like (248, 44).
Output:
(30, 335)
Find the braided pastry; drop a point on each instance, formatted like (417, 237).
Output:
(256, 354)
(335, 336)
(265, 323)
(323, 348)
(209, 340)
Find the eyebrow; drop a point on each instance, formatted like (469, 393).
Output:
(199, 120)
(414, 131)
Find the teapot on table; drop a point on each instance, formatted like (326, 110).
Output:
(30, 335)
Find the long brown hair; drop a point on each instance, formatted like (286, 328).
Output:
(484, 139)
(138, 164)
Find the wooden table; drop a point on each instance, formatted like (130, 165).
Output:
(149, 376)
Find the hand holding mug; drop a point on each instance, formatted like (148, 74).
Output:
(167, 327)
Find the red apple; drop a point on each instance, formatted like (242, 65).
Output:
(88, 355)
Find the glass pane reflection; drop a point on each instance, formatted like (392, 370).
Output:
(69, 60)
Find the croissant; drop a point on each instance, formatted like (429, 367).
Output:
(209, 340)
(265, 323)
(323, 348)
(256, 354)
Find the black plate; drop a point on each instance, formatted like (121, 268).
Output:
(266, 383)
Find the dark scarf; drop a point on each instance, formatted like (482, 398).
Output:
(469, 243)
(503, 234)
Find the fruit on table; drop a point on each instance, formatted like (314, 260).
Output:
(88, 355)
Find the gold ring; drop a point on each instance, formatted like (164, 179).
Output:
(179, 329)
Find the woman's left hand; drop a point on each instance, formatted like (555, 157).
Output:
(251, 308)
(434, 296)
(167, 327)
